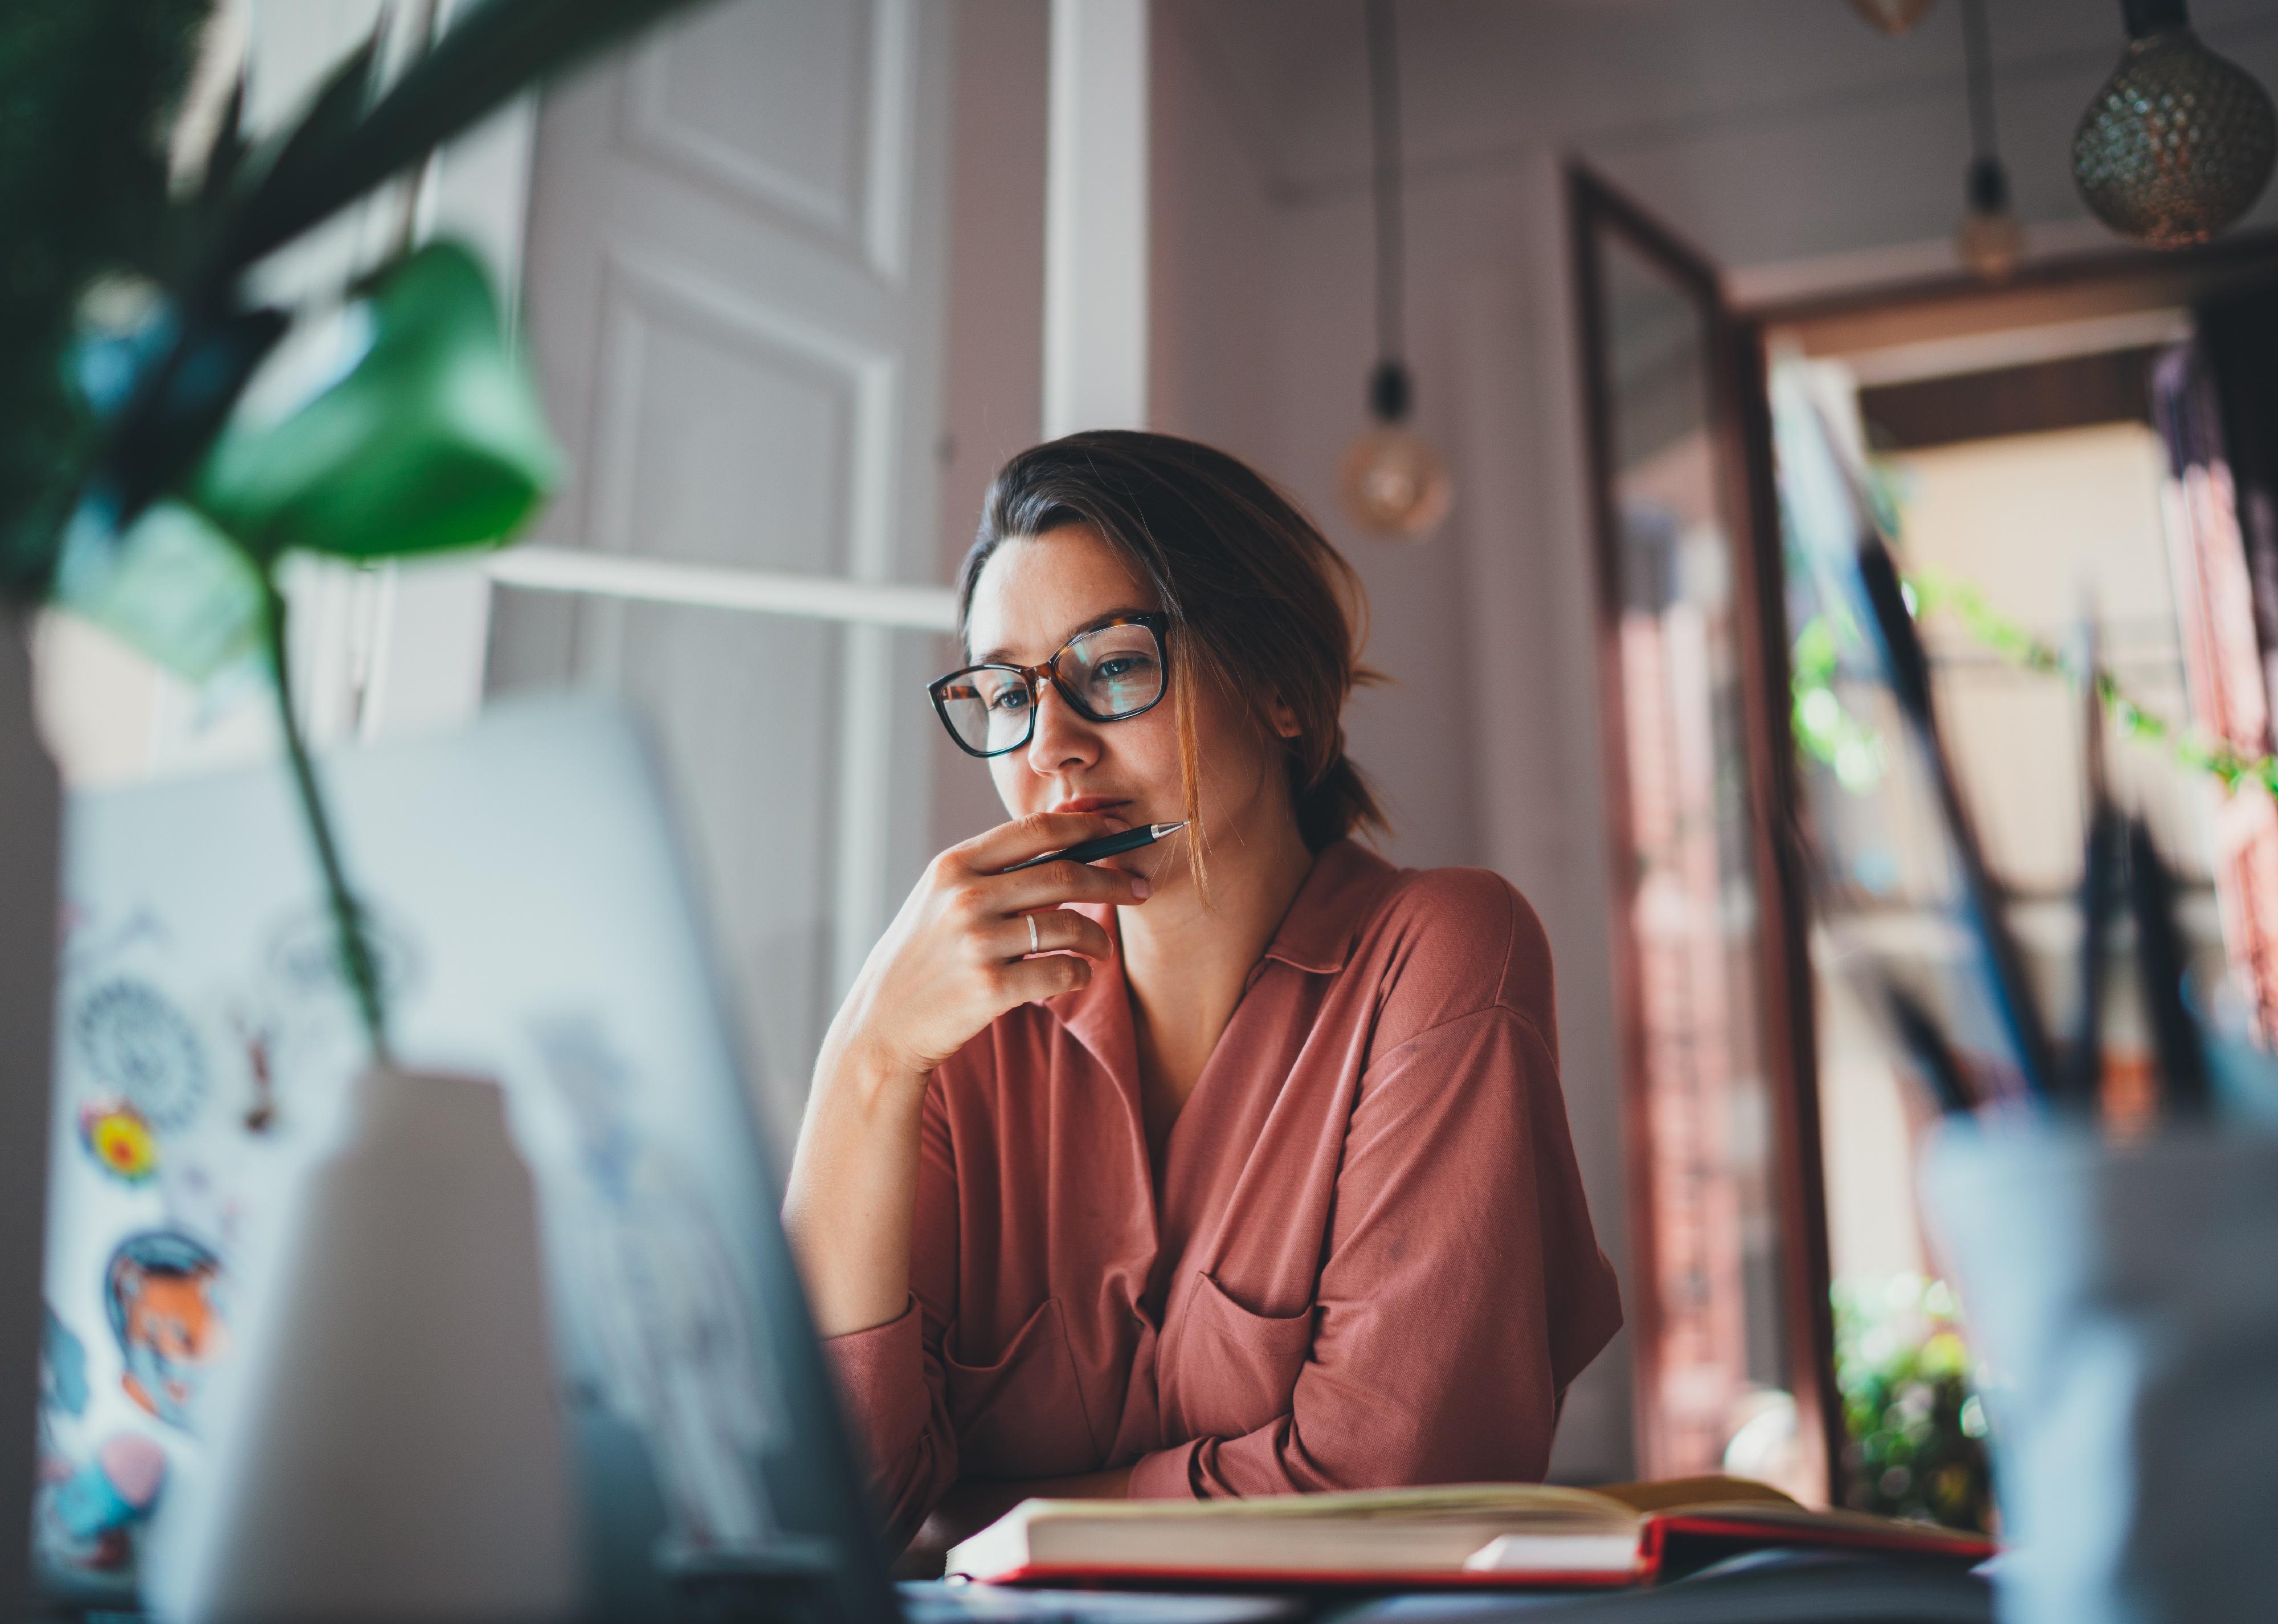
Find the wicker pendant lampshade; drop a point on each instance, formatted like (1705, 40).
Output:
(1895, 18)
(2178, 142)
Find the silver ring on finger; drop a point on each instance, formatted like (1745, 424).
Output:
(1035, 946)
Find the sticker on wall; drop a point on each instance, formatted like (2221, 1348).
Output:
(63, 1367)
(84, 1514)
(162, 1292)
(139, 1045)
(260, 1114)
(304, 956)
(119, 1140)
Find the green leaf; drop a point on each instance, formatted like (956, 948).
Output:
(85, 85)
(172, 588)
(332, 113)
(433, 440)
(227, 151)
(494, 52)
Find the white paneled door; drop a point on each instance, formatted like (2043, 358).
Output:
(733, 289)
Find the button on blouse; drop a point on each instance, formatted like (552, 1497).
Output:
(1370, 1263)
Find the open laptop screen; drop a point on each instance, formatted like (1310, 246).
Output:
(534, 925)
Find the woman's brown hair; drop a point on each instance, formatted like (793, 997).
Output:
(1260, 604)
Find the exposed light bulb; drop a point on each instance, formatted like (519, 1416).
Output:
(1394, 484)
(1895, 18)
(1991, 241)
(2178, 142)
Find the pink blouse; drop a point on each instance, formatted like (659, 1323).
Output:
(1367, 1261)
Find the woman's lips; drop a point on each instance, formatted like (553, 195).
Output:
(1109, 806)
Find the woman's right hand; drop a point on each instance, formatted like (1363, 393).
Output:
(958, 954)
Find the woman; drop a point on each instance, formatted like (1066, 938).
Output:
(1236, 1164)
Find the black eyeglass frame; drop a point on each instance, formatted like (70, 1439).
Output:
(1036, 676)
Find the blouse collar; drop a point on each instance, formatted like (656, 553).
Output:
(1316, 936)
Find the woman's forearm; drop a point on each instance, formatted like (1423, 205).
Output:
(854, 1188)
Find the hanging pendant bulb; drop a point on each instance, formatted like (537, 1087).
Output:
(1392, 484)
(1895, 18)
(1990, 239)
(2178, 142)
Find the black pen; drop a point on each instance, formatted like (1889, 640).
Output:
(1107, 846)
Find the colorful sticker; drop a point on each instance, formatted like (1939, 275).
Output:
(85, 1514)
(119, 1140)
(163, 1291)
(63, 1365)
(304, 955)
(137, 1043)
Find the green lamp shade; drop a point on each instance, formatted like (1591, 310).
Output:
(433, 440)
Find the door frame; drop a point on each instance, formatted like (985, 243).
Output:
(1740, 430)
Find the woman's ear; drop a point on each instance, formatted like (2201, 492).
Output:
(1282, 719)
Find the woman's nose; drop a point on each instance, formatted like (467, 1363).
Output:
(1063, 739)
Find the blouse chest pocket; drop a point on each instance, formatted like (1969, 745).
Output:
(1022, 1415)
(1237, 1370)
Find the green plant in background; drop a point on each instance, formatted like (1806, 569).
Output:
(1828, 732)
(1824, 729)
(1916, 1428)
(142, 484)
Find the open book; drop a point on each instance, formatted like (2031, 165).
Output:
(1469, 1534)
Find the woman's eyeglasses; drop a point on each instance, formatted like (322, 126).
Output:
(1110, 673)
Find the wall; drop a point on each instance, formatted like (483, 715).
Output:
(1799, 149)
(993, 393)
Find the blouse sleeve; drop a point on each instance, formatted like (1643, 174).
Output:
(1464, 1288)
(889, 1376)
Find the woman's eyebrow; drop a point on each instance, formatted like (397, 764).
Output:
(1003, 657)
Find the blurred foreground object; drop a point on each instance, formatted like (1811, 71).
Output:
(148, 477)
(1392, 482)
(2124, 1297)
(2179, 141)
(30, 814)
(435, 1381)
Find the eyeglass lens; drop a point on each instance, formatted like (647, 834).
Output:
(1112, 672)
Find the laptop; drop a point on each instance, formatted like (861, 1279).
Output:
(535, 924)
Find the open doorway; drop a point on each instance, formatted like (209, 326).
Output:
(2040, 447)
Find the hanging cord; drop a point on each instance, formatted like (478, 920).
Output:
(1979, 53)
(1388, 388)
(1989, 182)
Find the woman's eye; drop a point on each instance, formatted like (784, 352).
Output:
(1115, 668)
(1012, 696)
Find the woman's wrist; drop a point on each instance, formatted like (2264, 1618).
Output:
(868, 1074)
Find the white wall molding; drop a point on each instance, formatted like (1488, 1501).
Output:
(758, 592)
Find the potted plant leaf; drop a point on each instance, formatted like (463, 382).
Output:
(152, 481)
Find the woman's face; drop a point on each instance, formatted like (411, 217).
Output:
(1034, 594)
